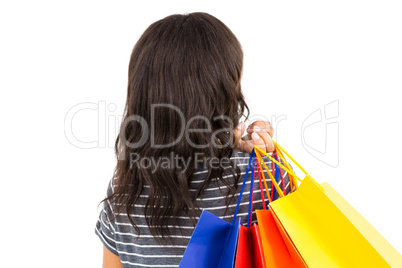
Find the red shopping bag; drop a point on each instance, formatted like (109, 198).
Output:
(249, 251)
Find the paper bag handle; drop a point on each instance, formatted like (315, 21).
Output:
(252, 156)
(288, 170)
(269, 174)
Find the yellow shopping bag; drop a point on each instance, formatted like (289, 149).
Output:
(326, 230)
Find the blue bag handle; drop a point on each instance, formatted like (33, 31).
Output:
(252, 156)
(250, 203)
(277, 174)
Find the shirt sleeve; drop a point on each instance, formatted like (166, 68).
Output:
(105, 226)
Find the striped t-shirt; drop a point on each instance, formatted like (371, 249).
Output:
(119, 236)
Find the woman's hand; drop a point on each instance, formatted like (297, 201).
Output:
(258, 133)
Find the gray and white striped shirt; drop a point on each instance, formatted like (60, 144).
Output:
(142, 250)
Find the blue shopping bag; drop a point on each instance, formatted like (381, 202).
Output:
(214, 241)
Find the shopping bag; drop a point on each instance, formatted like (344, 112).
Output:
(325, 230)
(275, 248)
(212, 244)
(249, 251)
(214, 241)
(249, 248)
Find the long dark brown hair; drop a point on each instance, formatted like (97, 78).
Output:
(182, 67)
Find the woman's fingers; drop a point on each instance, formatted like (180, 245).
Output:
(263, 140)
(259, 133)
(258, 126)
(247, 144)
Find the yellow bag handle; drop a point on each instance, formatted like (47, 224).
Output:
(261, 171)
(288, 170)
(292, 179)
(291, 158)
(297, 164)
(269, 174)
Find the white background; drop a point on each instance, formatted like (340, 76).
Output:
(299, 57)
